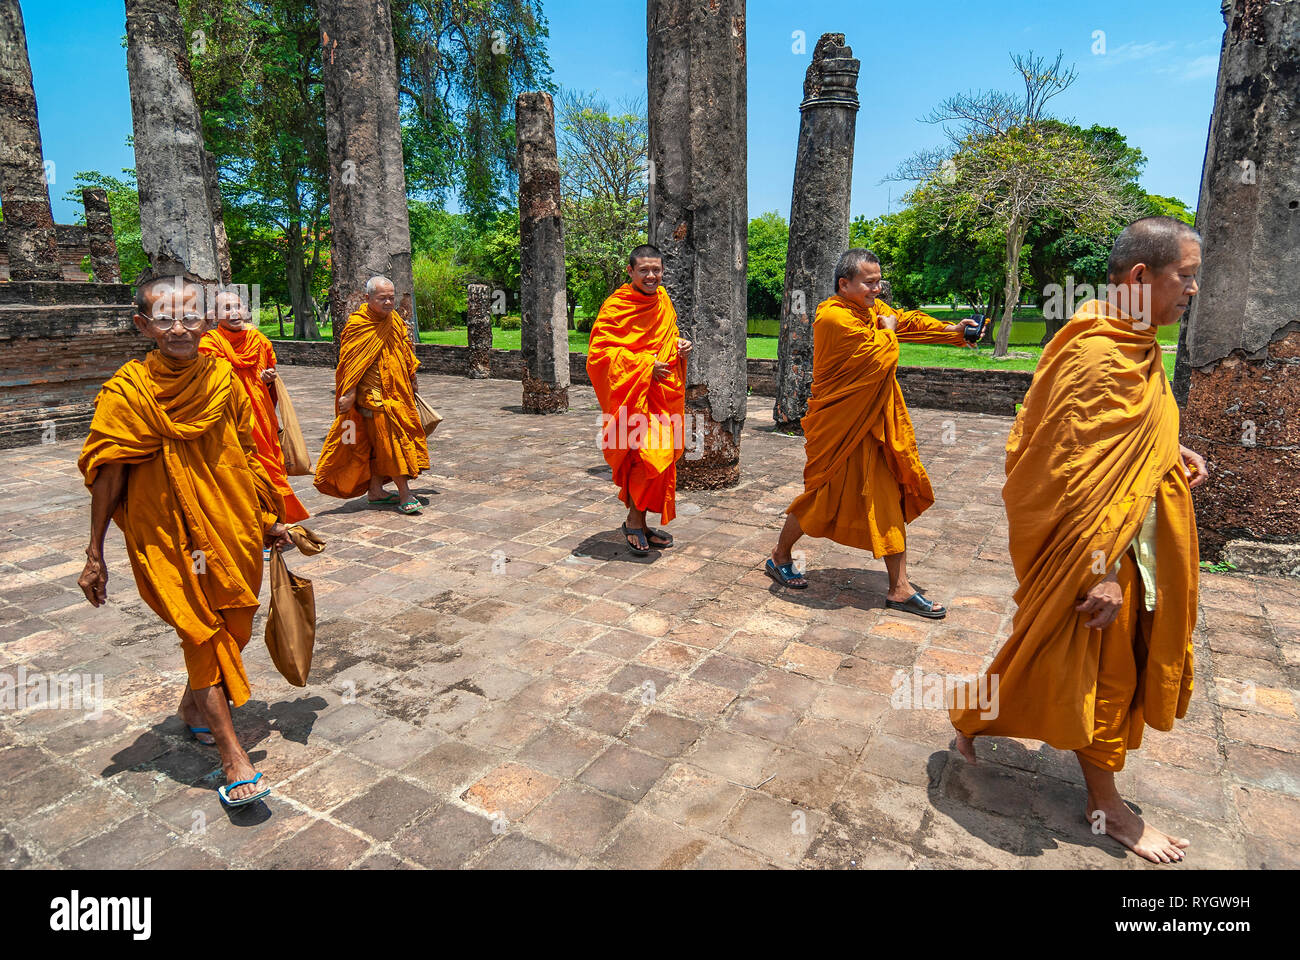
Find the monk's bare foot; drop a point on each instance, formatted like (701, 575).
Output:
(1119, 821)
(241, 768)
(965, 746)
(192, 716)
(798, 579)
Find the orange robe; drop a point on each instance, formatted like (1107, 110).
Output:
(1095, 443)
(196, 505)
(250, 352)
(642, 436)
(381, 435)
(863, 480)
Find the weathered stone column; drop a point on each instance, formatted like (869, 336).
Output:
(177, 224)
(99, 234)
(1240, 363)
(698, 211)
(24, 194)
(370, 227)
(819, 217)
(543, 312)
(479, 323)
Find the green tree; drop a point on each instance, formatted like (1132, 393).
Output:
(769, 238)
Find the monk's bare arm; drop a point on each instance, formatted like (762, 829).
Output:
(106, 494)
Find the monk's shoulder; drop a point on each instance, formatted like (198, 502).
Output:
(131, 377)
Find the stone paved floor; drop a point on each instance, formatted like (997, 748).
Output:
(498, 684)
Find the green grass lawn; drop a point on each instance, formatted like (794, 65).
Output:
(762, 343)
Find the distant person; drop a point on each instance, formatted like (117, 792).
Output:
(376, 437)
(250, 352)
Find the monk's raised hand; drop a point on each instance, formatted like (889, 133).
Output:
(889, 321)
(662, 370)
(1195, 466)
(94, 580)
(1103, 602)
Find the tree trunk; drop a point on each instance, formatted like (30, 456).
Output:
(1015, 238)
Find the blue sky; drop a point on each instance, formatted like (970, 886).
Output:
(1155, 81)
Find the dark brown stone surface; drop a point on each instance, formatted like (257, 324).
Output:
(478, 331)
(178, 222)
(24, 194)
(99, 235)
(370, 226)
(543, 313)
(1239, 362)
(819, 216)
(699, 212)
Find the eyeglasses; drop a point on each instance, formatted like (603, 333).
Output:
(163, 323)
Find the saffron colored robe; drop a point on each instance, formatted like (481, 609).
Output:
(250, 352)
(381, 435)
(1095, 443)
(863, 479)
(642, 436)
(196, 505)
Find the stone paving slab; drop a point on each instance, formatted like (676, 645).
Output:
(498, 683)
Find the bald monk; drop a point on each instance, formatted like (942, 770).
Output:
(249, 351)
(1103, 537)
(376, 437)
(171, 459)
(637, 365)
(863, 480)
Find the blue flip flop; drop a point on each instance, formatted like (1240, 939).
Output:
(224, 792)
(784, 573)
(918, 605)
(195, 731)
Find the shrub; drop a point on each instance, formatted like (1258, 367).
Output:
(439, 289)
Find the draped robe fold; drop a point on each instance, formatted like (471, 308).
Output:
(250, 352)
(196, 505)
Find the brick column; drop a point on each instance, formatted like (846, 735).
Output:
(479, 323)
(99, 235)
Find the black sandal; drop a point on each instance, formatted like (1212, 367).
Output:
(651, 534)
(918, 605)
(642, 549)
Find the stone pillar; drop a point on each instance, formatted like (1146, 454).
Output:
(369, 223)
(479, 324)
(698, 212)
(99, 235)
(178, 227)
(1240, 362)
(819, 217)
(543, 312)
(24, 194)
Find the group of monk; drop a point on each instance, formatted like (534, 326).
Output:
(183, 455)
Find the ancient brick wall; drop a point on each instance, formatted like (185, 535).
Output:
(59, 342)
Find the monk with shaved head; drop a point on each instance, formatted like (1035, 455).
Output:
(1102, 537)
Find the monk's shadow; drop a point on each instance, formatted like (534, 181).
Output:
(168, 748)
(833, 588)
(604, 472)
(610, 545)
(970, 796)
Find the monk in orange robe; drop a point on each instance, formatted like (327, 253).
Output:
(171, 459)
(637, 366)
(249, 351)
(1103, 539)
(863, 480)
(376, 436)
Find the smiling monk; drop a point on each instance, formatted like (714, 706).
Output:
(637, 366)
(863, 479)
(249, 351)
(1103, 537)
(171, 459)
